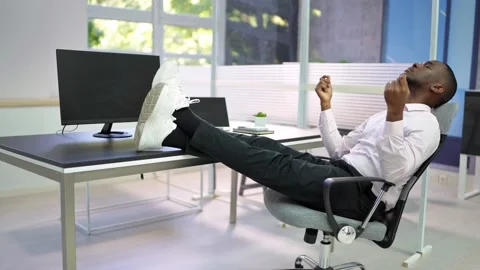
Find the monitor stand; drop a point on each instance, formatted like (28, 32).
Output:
(109, 134)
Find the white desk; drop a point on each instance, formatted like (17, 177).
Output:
(79, 157)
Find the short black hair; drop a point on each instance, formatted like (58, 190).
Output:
(450, 85)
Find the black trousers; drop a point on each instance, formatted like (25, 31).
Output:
(297, 175)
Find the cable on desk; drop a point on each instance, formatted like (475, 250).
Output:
(63, 130)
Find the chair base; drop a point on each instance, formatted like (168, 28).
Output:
(314, 265)
(326, 246)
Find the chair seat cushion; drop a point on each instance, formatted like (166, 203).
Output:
(297, 215)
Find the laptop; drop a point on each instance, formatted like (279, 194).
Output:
(212, 110)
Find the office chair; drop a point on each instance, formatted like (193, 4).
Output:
(346, 230)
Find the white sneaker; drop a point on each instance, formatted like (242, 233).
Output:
(169, 73)
(156, 121)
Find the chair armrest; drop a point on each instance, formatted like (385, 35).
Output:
(327, 185)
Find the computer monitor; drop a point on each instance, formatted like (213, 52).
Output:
(103, 87)
(212, 110)
(471, 124)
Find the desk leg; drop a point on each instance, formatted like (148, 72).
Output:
(422, 250)
(67, 202)
(233, 197)
(462, 193)
(212, 181)
(462, 177)
(476, 181)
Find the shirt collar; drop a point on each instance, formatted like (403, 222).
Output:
(410, 107)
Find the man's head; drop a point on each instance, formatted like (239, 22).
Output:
(432, 83)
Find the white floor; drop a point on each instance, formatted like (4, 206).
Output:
(30, 232)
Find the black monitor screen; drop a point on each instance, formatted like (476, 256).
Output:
(471, 124)
(212, 110)
(100, 87)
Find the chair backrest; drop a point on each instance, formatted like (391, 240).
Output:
(445, 115)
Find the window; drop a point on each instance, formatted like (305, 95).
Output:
(120, 35)
(185, 40)
(261, 32)
(189, 36)
(128, 25)
(133, 4)
(345, 31)
(260, 37)
(200, 8)
(194, 62)
(120, 25)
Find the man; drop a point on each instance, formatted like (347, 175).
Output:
(391, 144)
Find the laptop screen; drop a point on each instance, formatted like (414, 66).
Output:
(212, 110)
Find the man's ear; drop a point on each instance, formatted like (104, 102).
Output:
(437, 88)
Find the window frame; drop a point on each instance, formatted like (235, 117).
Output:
(159, 18)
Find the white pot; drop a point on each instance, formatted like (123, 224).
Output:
(260, 121)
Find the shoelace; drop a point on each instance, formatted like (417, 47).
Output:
(193, 101)
(190, 101)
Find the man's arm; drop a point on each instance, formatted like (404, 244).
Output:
(401, 153)
(336, 145)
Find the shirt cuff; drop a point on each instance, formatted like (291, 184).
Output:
(326, 115)
(327, 119)
(393, 128)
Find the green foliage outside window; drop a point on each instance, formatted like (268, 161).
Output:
(249, 35)
(134, 4)
(133, 36)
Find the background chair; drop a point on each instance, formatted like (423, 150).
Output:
(347, 230)
(244, 186)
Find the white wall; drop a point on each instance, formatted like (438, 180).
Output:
(30, 32)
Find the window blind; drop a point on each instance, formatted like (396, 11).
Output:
(260, 88)
(351, 109)
(273, 89)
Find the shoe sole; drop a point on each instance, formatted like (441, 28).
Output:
(155, 116)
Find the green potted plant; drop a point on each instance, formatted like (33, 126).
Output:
(260, 119)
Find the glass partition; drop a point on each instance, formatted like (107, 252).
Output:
(346, 43)
(260, 38)
(257, 49)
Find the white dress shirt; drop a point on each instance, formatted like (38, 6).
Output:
(389, 150)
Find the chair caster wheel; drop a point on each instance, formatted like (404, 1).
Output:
(298, 264)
